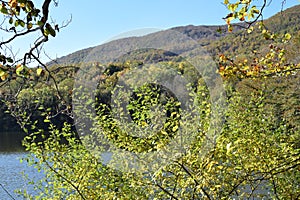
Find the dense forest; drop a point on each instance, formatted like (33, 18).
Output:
(213, 38)
(192, 112)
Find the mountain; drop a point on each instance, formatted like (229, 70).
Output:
(213, 38)
(175, 44)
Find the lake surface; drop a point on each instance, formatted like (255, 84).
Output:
(11, 169)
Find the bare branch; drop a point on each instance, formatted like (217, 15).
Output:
(18, 35)
(166, 191)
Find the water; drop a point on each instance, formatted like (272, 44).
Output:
(11, 177)
(11, 169)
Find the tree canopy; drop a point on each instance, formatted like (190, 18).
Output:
(245, 147)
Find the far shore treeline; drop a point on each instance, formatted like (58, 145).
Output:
(210, 37)
(211, 114)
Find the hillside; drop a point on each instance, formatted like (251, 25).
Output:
(197, 33)
(119, 55)
(206, 36)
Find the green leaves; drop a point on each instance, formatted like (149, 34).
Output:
(40, 23)
(11, 20)
(19, 22)
(49, 30)
(29, 6)
(3, 9)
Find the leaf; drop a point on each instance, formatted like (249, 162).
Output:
(287, 36)
(11, 20)
(22, 23)
(40, 23)
(250, 30)
(22, 5)
(46, 32)
(228, 16)
(56, 27)
(230, 28)
(13, 3)
(19, 69)
(29, 6)
(2, 73)
(175, 128)
(50, 30)
(39, 71)
(233, 7)
(4, 10)
(29, 26)
(255, 10)
(16, 23)
(10, 60)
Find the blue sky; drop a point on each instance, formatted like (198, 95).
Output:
(96, 21)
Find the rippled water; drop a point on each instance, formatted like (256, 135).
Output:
(11, 169)
(11, 177)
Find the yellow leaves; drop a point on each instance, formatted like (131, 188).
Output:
(228, 148)
(29, 26)
(175, 128)
(144, 124)
(266, 34)
(233, 7)
(255, 10)
(242, 14)
(211, 165)
(19, 69)
(250, 73)
(13, 3)
(39, 71)
(221, 70)
(287, 37)
(3, 74)
(22, 5)
(250, 30)
(270, 63)
(230, 28)
(4, 77)
(222, 58)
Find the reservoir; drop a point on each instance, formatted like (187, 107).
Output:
(12, 170)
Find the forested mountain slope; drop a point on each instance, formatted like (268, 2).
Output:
(213, 38)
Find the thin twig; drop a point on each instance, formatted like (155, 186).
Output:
(166, 191)
(7, 191)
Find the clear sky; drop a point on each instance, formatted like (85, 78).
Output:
(96, 21)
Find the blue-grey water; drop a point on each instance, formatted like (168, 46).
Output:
(11, 169)
(11, 177)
